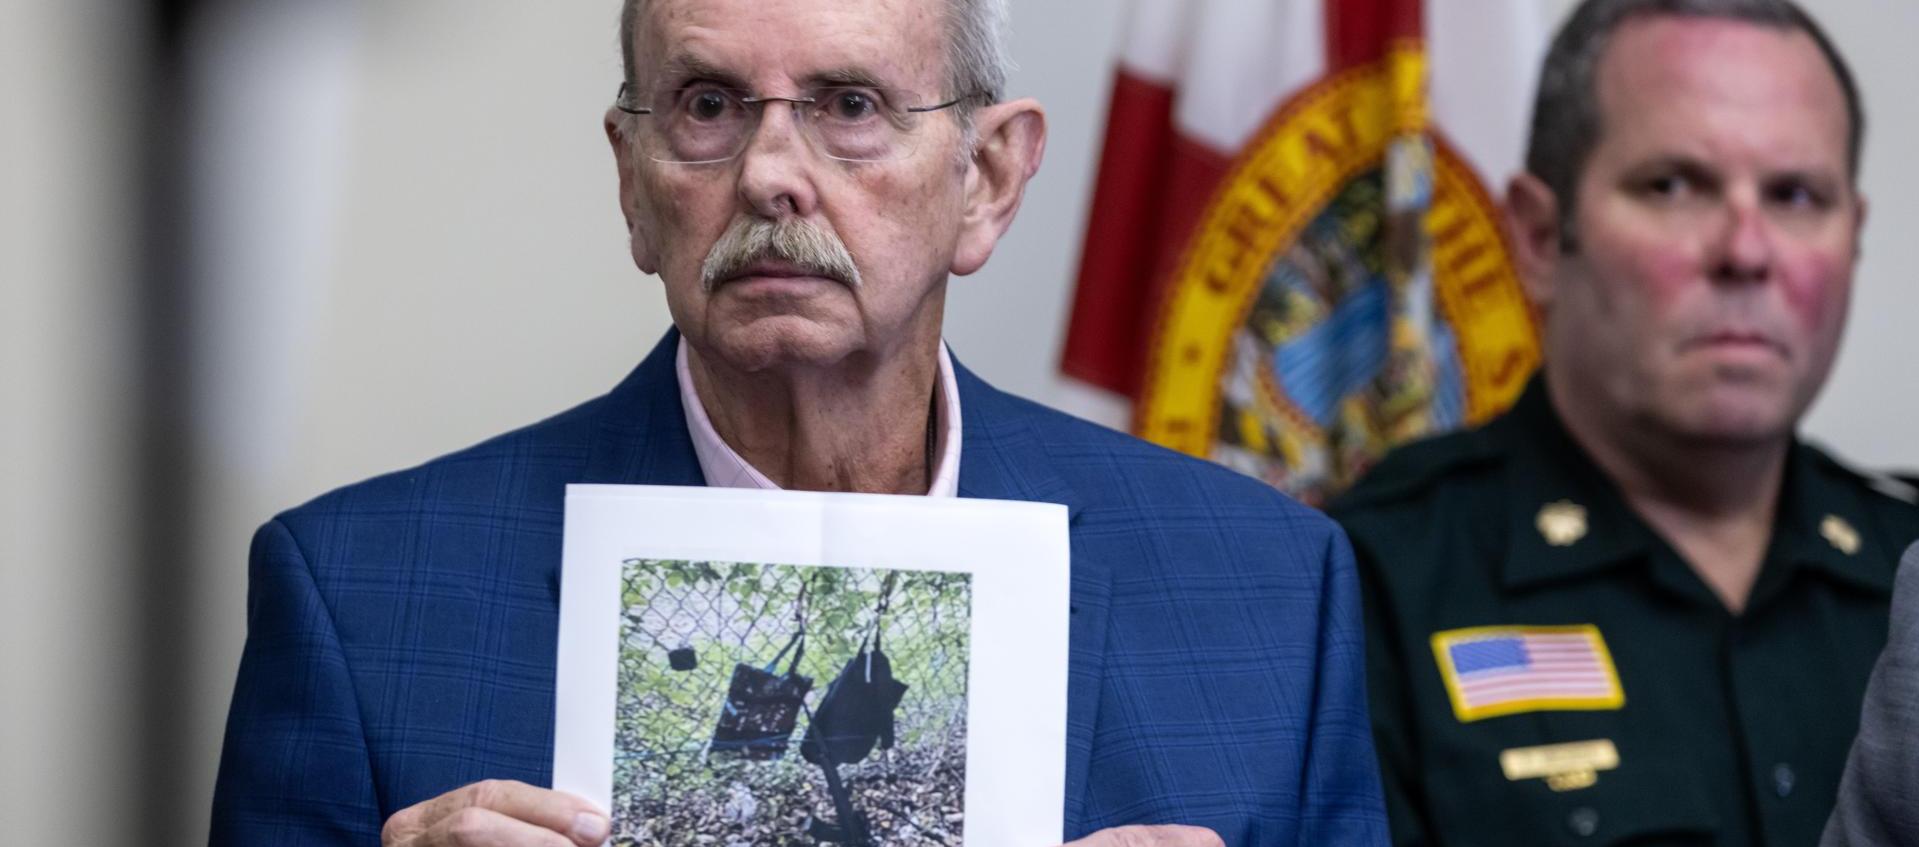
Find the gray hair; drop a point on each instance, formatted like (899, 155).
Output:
(1566, 121)
(976, 56)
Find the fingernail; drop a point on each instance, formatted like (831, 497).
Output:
(589, 828)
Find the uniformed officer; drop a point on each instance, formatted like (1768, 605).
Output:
(1636, 608)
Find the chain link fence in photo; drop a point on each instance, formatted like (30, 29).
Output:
(723, 669)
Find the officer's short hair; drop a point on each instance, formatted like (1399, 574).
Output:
(1566, 119)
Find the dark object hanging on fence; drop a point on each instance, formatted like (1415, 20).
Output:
(762, 706)
(682, 659)
(857, 711)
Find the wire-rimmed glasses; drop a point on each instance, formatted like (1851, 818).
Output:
(705, 123)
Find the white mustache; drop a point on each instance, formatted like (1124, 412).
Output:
(750, 241)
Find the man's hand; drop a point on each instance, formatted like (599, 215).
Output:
(1151, 836)
(502, 813)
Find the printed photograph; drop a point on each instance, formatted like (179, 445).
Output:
(769, 704)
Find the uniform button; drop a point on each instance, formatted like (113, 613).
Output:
(1584, 821)
(1783, 779)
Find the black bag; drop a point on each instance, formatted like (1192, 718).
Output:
(762, 707)
(857, 711)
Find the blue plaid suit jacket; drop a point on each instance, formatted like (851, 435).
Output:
(402, 631)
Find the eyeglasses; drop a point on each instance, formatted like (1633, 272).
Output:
(703, 123)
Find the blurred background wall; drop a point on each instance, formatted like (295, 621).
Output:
(70, 608)
(391, 232)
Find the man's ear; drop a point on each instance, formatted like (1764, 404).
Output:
(1012, 140)
(626, 159)
(1533, 229)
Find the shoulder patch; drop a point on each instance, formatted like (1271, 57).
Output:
(1491, 671)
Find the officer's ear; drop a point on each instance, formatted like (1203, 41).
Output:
(1533, 228)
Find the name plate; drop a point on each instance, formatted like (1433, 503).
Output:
(1564, 766)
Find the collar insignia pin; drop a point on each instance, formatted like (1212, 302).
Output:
(1840, 534)
(1562, 523)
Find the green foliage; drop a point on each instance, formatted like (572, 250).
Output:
(730, 613)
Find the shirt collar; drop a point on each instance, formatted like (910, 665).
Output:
(725, 468)
(1548, 467)
(1549, 472)
(1825, 523)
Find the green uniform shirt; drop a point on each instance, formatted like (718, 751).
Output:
(1517, 606)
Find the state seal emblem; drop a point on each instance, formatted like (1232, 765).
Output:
(1347, 289)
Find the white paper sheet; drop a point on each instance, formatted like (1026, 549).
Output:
(711, 574)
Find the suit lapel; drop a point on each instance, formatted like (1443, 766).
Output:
(1002, 458)
(641, 436)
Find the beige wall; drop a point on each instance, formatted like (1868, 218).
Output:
(68, 612)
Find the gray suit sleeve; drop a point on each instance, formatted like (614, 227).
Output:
(1879, 795)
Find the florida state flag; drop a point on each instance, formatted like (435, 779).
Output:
(1292, 261)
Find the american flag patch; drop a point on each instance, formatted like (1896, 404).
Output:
(1504, 670)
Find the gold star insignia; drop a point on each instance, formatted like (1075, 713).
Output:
(1562, 523)
(1840, 534)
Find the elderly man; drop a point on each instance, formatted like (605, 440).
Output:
(804, 176)
(1636, 608)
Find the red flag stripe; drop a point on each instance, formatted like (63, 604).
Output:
(1152, 187)
(1359, 31)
